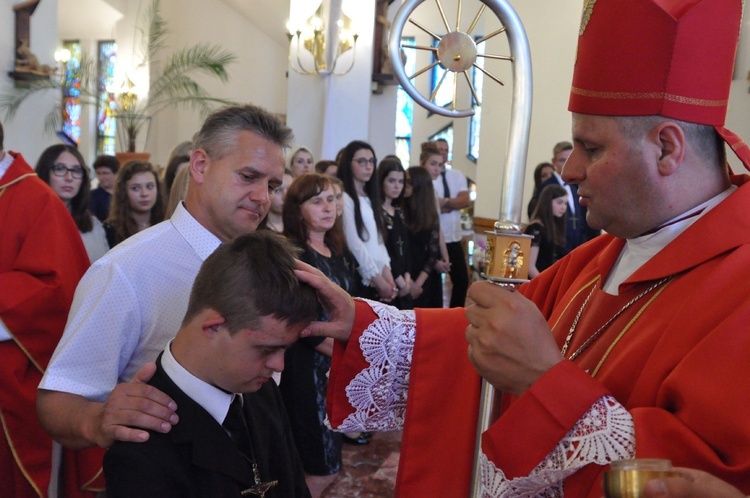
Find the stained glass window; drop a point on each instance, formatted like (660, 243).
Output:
(106, 126)
(71, 102)
(444, 95)
(475, 123)
(405, 109)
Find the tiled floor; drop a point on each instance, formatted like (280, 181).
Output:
(369, 470)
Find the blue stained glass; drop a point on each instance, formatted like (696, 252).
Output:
(71, 105)
(105, 107)
(405, 108)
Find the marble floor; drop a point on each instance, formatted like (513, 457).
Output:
(370, 470)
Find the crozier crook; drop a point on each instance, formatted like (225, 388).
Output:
(456, 53)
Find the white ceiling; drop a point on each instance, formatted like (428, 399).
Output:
(269, 16)
(86, 19)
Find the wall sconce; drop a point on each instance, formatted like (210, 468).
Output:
(312, 37)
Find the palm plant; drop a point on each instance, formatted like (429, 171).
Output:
(172, 82)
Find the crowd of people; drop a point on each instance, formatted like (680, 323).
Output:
(356, 220)
(157, 336)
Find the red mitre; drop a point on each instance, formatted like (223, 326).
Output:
(672, 58)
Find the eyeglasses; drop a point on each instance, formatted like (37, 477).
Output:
(362, 161)
(62, 170)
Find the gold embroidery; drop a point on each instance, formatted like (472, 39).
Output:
(738, 145)
(588, 8)
(649, 95)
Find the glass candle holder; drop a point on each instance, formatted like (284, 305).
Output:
(627, 478)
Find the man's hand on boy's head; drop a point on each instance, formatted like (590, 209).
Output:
(335, 301)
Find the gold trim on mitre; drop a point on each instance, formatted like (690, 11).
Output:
(649, 95)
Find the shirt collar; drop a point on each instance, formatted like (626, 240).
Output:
(637, 251)
(203, 242)
(5, 163)
(215, 401)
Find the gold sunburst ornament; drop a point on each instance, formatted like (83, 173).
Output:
(456, 52)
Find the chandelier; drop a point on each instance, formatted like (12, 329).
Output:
(312, 41)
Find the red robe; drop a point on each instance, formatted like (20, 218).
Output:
(42, 258)
(678, 364)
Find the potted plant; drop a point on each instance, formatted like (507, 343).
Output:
(172, 82)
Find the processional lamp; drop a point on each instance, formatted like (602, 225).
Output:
(507, 247)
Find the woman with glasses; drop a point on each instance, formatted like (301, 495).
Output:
(137, 202)
(311, 223)
(363, 222)
(62, 168)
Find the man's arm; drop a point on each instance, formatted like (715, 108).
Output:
(458, 202)
(76, 422)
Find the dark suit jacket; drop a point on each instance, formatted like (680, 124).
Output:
(198, 459)
(577, 231)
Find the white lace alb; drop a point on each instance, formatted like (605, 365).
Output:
(603, 434)
(378, 394)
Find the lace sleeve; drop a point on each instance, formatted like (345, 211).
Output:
(603, 434)
(378, 394)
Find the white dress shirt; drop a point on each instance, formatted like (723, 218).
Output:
(128, 305)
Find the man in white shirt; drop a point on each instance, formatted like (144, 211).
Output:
(453, 196)
(131, 302)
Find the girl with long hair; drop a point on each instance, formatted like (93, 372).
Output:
(62, 168)
(547, 225)
(310, 222)
(363, 220)
(542, 173)
(423, 220)
(391, 179)
(137, 202)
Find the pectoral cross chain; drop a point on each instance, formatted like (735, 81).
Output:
(260, 488)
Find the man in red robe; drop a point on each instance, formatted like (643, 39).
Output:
(636, 343)
(42, 258)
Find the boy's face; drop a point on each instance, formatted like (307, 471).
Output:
(248, 358)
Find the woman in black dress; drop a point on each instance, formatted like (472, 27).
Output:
(310, 221)
(547, 226)
(423, 221)
(391, 179)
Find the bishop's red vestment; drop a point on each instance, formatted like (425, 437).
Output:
(42, 258)
(666, 378)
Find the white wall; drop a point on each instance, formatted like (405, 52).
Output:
(25, 133)
(257, 77)
(260, 77)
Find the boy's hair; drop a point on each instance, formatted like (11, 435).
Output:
(250, 278)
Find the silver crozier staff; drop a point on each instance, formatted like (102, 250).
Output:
(507, 247)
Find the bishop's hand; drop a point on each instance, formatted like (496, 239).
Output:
(510, 343)
(335, 301)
